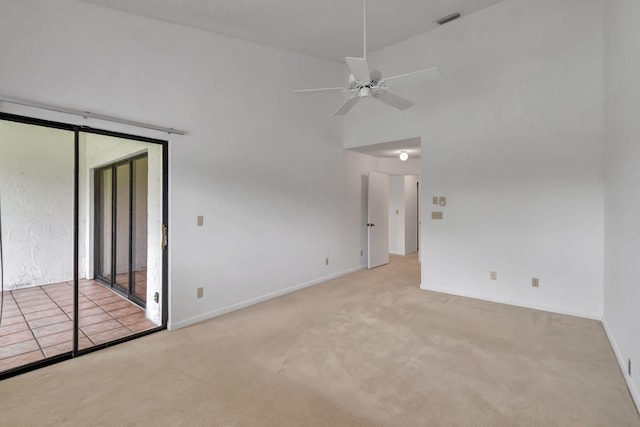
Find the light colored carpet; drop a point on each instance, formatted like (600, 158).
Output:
(366, 349)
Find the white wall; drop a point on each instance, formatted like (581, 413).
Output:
(36, 197)
(264, 167)
(622, 184)
(398, 167)
(396, 215)
(512, 135)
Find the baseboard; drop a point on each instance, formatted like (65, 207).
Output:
(633, 391)
(243, 304)
(514, 303)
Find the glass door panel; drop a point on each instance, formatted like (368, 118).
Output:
(104, 232)
(123, 226)
(128, 180)
(37, 220)
(139, 228)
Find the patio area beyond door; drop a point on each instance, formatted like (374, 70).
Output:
(121, 224)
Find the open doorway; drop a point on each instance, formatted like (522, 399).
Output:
(393, 219)
(403, 214)
(395, 197)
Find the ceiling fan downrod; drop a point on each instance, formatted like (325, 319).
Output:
(364, 29)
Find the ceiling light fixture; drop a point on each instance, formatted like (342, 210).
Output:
(404, 156)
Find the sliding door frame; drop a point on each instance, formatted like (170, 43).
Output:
(77, 130)
(98, 219)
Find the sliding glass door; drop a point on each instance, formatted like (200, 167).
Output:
(121, 192)
(83, 258)
(104, 225)
(139, 229)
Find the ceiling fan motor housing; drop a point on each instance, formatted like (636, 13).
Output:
(355, 84)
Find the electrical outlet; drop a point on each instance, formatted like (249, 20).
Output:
(200, 221)
(493, 275)
(535, 282)
(199, 292)
(435, 200)
(442, 201)
(326, 261)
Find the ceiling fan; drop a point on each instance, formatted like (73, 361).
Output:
(365, 82)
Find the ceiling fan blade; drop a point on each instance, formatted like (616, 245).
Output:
(348, 104)
(394, 100)
(415, 77)
(359, 69)
(324, 89)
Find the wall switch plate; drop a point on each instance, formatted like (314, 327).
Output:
(397, 211)
(435, 200)
(535, 282)
(200, 220)
(326, 261)
(200, 292)
(493, 275)
(442, 201)
(436, 215)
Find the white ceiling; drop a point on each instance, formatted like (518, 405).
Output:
(392, 149)
(329, 29)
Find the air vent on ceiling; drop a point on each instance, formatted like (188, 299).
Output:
(449, 18)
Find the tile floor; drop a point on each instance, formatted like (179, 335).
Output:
(37, 322)
(139, 283)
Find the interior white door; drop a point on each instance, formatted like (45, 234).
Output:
(378, 225)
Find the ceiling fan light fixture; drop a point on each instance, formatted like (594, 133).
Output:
(403, 156)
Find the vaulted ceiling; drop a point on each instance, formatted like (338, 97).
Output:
(329, 29)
